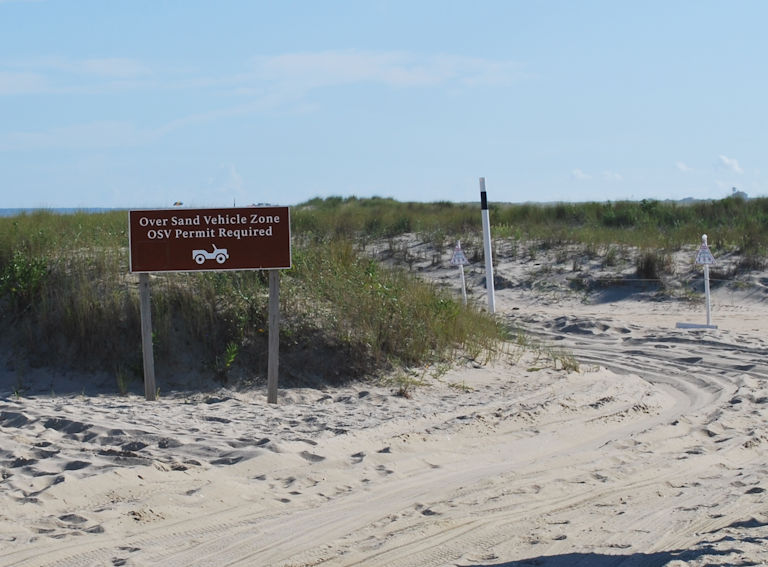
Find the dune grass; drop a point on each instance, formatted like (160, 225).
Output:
(396, 317)
(733, 223)
(66, 293)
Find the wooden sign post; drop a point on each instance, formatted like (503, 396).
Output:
(194, 240)
(274, 335)
(150, 392)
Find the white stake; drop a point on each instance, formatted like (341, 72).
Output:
(487, 246)
(706, 281)
(705, 258)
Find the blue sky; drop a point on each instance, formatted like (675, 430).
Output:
(142, 103)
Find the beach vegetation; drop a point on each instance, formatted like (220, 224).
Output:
(347, 314)
(405, 382)
(68, 294)
(652, 265)
(733, 223)
(123, 380)
(21, 278)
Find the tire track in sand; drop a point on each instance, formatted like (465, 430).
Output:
(517, 490)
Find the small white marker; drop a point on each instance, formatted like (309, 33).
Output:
(460, 260)
(705, 258)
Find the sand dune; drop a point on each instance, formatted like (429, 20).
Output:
(653, 453)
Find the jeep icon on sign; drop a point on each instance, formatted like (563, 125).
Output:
(219, 254)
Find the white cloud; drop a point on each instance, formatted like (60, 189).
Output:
(12, 83)
(227, 183)
(56, 75)
(287, 74)
(112, 67)
(104, 134)
(607, 175)
(270, 82)
(683, 167)
(234, 181)
(122, 67)
(730, 163)
(580, 175)
(392, 68)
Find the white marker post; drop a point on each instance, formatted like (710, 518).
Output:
(459, 259)
(705, 258)
(487, 246)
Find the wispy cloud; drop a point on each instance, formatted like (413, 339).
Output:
(261, 76)
(103, 134)
(730, 163)
(681, 166)
(606, 175)
(97, 66)
(579, 175)
(60, 75)
(234, 181)
(15, 83)
(111, 67)
(264, 83)
(393, 68)
(116, 133)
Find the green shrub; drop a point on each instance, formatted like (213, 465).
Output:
(22, 277)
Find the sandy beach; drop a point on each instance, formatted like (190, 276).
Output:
(653, 453)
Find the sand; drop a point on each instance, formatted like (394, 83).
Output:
(653, 453)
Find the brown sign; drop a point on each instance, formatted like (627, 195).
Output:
(187, 240)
